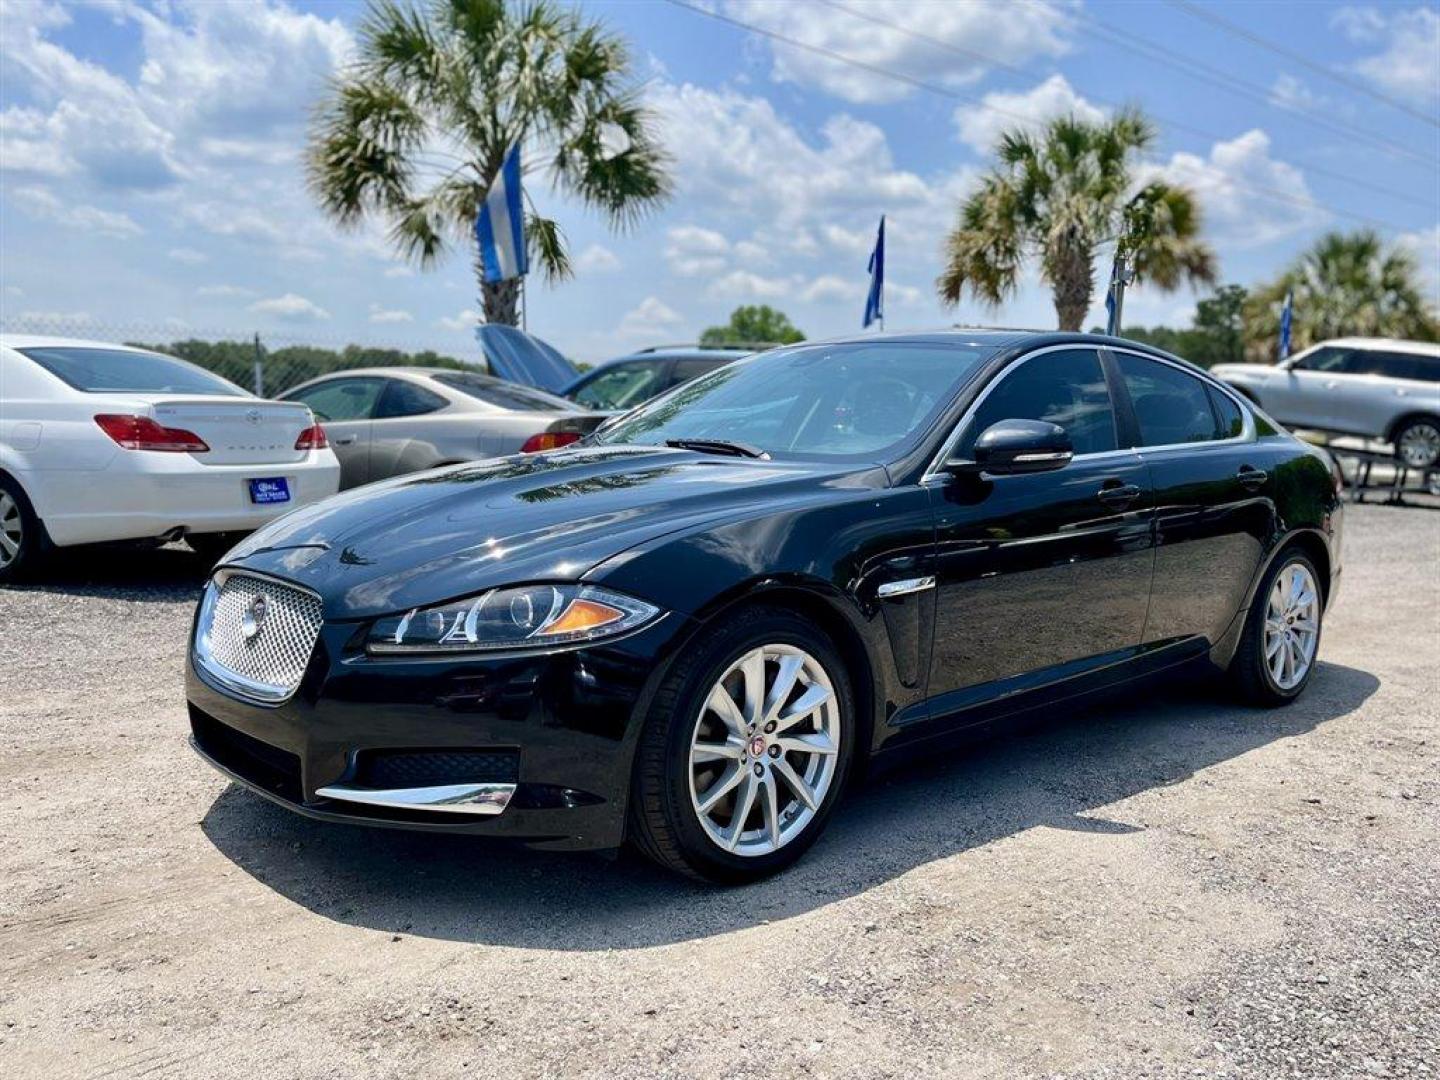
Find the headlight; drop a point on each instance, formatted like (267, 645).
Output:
(530, 616)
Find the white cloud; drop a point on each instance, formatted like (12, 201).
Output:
(224, 291)
(597, 259)
(651, 318)
(829, 289)
(463, 320)
(1247, 196)
(691, 250)
(749, 287)
(981, 127)
(54, 319)
(389, 315)
(290, 307)
(188, 256)
(399, 272)
(1289, 92)
(42, 203)
(981, 36)
(1408, 63)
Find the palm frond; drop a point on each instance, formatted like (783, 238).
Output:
(547, 247)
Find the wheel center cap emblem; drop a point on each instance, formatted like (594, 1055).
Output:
(253, 616)
(757, 746)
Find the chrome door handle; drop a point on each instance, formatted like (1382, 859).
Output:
(1120, 495)
(343, 440)
(1252, 477)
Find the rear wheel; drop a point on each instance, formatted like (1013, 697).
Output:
(744, 751)
(1417, 442)
(22, 538)
(1276, 656)
(211, 547)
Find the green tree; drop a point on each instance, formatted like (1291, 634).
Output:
(754, 324)
(415, 130)
(1346, 285)
(1220, 327)
(1060, 196)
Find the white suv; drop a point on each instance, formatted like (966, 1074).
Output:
(1378, 388)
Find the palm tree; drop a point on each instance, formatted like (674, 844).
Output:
(415, 130)
(1061, 195)
(1346, 285)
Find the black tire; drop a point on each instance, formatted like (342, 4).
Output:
(33, 542)
(211, 547)
(663, 822)
(1249, 673)
(1408, 430)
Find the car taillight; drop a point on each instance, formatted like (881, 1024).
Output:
(312, 438)
(142, 433)
(549, 440)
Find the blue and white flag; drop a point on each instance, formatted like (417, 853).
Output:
(1112, 326)
(1286, 313)
(875, 300)
(500, 228)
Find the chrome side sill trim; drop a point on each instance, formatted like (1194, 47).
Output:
(488, 799)
(892, 589)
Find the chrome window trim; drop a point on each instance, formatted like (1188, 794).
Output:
(935, 470)
(221, 677)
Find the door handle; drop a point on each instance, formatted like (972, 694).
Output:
(1331, 384)
(1120, 495)
(342, 440)
(1252, 477)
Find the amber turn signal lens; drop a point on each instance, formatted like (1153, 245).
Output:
(582, 615)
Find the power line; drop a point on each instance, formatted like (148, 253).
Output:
(1131, 42)
(1356, 85)
(1178, 125)
(944, 91)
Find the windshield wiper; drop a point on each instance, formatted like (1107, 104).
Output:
(719, 446)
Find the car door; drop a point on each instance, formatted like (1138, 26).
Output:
(1307, 394)
(345, 406)
(403, 435)
(1214, 512)
(1044, 575)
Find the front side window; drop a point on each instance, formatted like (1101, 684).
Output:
(846, 402)
(1065, 387)
(1334, 360)
(406, 399)
(1170, 405)
(341, 399)
(622, 385)
(102, 371)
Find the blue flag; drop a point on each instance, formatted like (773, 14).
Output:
(1286, 313)
(500, 229)
(875, 301)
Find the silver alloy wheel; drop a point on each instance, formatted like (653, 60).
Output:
(764, 750)
(11, 529)
(1419, 445)
(1292, 626)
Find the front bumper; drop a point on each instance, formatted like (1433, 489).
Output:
(534, 748)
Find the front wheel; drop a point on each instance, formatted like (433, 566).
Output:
(744, 751)
(1417, 443)
(1277, 650)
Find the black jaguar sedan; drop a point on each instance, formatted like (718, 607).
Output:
(695, 628)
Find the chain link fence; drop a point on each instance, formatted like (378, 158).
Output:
(267, 362)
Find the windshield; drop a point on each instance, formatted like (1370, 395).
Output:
(99, 371)
(827, 401)
(504, 395)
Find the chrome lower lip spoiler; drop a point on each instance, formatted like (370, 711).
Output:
(487, 799)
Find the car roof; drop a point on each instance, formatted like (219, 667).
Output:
(1418, 348)
(42, 341)
(398, 369)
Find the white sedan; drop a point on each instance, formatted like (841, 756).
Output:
(105, 442)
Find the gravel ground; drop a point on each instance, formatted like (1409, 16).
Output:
(1165, 887)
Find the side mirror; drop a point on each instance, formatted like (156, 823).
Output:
(1010, 447)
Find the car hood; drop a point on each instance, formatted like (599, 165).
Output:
(435, 536)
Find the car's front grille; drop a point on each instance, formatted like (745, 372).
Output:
(255, 635)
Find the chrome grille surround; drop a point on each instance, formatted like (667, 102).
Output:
(261, 659)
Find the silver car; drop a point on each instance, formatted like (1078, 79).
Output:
(1377, 388)
(386, 421)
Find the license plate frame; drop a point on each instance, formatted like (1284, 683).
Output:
(269, 490)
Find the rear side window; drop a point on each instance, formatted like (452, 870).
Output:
(1170, 405)
(341, 399)
(1406, 366)
(406, 399)
(1066, 387)
(99, 371)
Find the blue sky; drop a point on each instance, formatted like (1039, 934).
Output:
(150, 176)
